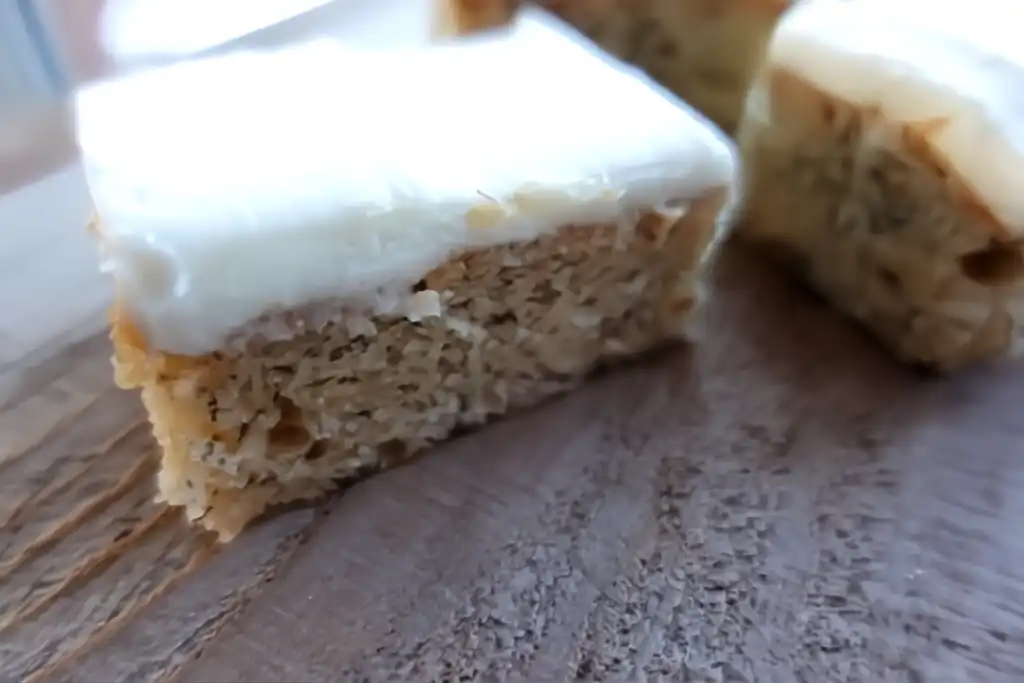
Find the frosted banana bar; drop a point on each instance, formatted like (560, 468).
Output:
(327, 260)
(884, 151)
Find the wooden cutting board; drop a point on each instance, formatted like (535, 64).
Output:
(779, 503)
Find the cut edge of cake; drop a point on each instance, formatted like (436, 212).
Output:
(301, 396)
(267, 422)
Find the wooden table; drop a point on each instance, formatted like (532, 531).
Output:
(779, 503)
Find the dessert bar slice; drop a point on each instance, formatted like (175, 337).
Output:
(884, 142)
(705, 51)
(327, 260)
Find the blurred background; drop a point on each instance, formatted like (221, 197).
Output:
(49, 47)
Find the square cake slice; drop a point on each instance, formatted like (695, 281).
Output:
(884, 152)
(705, 51)
(327, 260)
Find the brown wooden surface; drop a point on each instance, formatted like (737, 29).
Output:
(780, 503)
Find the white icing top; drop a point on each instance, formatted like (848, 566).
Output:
(922, 60)
(237, 185)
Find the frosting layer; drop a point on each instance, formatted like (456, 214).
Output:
(958, 63)
(258, 181)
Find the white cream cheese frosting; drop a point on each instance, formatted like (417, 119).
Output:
(959, 62)
(258, 181)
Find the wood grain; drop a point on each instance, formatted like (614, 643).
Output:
(782, 503)
(85, 553)
(779, 503)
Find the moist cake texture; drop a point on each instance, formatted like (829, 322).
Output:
(313, 283)
(705, 51)
(883, 143)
